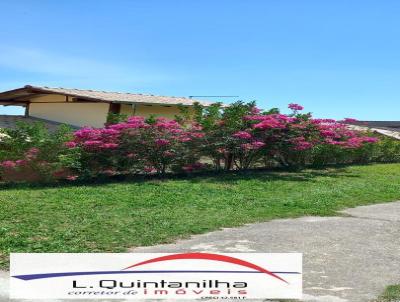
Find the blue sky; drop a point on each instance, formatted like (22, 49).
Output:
(336, 58)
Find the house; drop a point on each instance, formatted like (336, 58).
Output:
(78, 107)
(388, 128)
(386, 125)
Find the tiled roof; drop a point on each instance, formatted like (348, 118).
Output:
(9, 121)
(388, 128)
(390, 125)
(121, 97)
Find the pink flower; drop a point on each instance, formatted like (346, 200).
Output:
(87, 133)
(72, 177)
(110, 132)
(370, 139)
(301, 144)
(349, 120)
(354, 142)
(175, 131)
(322, 121)
(92, 143)
(136, 119)
(121, 126)
(196, 127)
(149, 169)
(257, 145)
(328, 133)
(161, 142)
(21, 162)
(242, 134)
(270, 122)
(330, 141)
(167, 124)
(295, 107)
(8, 164)
(70, 144)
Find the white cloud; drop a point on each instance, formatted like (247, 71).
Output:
(70, 69)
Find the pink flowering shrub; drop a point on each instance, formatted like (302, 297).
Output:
(241, 136)
(229, 139)
(295, 136)
(32, 153)
(162, 144)
(137, 145)
(237, 137)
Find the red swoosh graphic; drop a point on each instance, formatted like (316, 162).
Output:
(208, 256)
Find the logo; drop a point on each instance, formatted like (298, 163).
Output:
(156, 276)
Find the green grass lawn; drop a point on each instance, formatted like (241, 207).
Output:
(116, 215)
(391, 294)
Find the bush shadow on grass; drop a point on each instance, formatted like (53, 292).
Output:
(307, 174)
(231, 177)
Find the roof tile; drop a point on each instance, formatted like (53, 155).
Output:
(120, 96)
